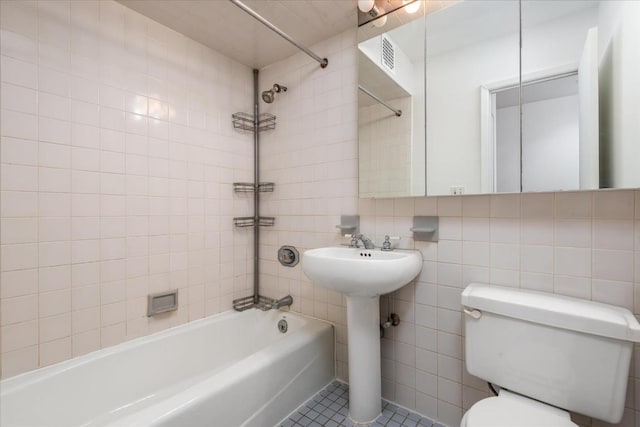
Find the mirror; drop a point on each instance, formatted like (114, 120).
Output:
(391, 104)
(581, 96)
(573, 124)
(472, 48)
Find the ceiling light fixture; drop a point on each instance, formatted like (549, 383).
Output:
(366, 6)
(380, 21)
(411, 6)
(369, 7)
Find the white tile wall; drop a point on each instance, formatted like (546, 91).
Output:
(117, 158)
(386, 149)
(583, 244)
(312, 158)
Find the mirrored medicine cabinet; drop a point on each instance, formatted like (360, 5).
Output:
(476, 97)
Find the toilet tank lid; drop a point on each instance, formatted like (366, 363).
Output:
(554, 310)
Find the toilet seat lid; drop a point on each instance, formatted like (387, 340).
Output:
(511, 410)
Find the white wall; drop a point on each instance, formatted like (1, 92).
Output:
(550, 145)
(619, 91)
(508, 150)
(453, 86)
(567, 36)
(118, 158)
(453, 110)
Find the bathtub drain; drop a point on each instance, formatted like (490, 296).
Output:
(283, 326)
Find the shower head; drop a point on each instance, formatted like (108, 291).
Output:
(269, 95)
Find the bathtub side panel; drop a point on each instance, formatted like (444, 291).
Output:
(125, 378)
(262, 389)
(307, 381)
(229, 370)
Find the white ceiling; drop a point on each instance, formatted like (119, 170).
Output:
(470, 22)
(224, 27)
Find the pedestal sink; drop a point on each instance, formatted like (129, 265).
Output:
(362, 275)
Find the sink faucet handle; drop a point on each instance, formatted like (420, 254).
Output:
(386, 245)
(354, 240)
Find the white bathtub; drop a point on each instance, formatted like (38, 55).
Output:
(234, 369)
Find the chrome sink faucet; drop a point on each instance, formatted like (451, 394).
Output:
(368, 244)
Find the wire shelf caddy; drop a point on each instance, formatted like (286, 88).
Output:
(245, 121)
(249, 187)
(249, 221)
(245, 303)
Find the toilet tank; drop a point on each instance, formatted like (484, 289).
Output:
(570, 353)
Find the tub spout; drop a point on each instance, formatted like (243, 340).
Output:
(282, 302)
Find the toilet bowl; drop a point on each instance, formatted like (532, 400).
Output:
(513, 410)
(549, 354)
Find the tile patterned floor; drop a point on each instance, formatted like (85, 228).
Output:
(330, 407)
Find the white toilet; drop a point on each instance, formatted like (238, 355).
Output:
(549, 354)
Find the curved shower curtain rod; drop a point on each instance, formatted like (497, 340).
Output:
(323, 61)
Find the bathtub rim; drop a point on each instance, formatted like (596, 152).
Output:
(20, 381)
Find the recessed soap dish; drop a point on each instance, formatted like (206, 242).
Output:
(349, 224)
(162, 302)
(425, 228)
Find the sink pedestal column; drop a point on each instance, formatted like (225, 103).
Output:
(365, 384)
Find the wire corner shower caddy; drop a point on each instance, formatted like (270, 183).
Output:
(248, 122)
(257, 123)
(245, 121)
(249, 187)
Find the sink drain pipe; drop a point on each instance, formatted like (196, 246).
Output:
(392, 318)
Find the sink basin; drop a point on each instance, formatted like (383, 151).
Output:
(362, 275)
(361, 272)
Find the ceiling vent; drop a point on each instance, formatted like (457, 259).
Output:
(388, 54)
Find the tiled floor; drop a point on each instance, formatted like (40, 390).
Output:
(330, 407)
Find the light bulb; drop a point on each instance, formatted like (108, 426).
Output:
(380, 21)
(366, 5)
(411, 7)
